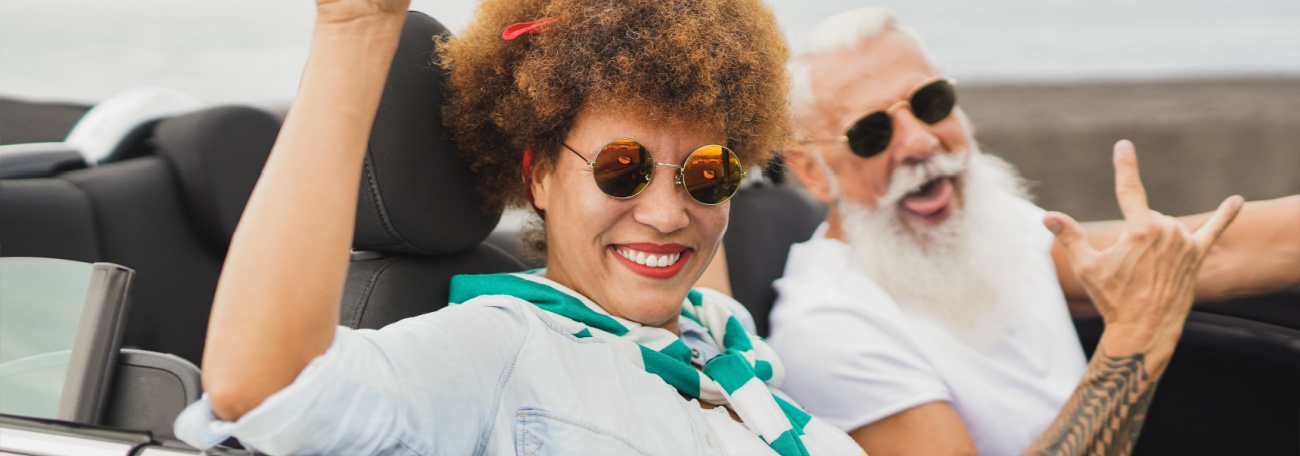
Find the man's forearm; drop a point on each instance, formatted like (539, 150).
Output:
(1105, 414)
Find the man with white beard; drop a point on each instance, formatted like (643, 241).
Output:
(928, 314)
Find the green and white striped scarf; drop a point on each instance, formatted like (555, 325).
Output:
(737, 377)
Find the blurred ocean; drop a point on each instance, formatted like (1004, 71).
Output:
(252, 51)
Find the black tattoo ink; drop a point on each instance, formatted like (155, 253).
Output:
(1105, 416)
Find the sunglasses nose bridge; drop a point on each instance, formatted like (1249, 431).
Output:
(677, 175)
(900, 104)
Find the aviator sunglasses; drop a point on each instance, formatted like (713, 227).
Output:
(623, 168)
(932, 101)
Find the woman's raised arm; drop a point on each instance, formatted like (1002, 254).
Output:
(276, 304)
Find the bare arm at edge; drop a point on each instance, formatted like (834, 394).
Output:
(276, 303)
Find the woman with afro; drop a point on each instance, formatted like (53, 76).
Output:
(629, 123)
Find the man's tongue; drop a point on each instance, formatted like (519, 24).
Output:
(930, 199)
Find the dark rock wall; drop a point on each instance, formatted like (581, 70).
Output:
(1198, 141)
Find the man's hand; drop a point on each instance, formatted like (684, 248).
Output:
(1258, 254)
(1143, 286)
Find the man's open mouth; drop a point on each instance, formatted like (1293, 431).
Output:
(932, 200)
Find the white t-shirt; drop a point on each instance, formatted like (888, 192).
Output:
(853, 357)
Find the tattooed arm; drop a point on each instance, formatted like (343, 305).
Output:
(1106, 413)
(1143, 286)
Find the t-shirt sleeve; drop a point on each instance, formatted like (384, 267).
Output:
(375, 391)
(853, 368)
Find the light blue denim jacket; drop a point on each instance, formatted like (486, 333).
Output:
(495, 375)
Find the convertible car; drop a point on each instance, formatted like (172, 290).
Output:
(112, 239)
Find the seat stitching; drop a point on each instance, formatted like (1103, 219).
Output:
(373, 183)
(370, 287)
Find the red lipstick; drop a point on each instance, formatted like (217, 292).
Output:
(650, 271)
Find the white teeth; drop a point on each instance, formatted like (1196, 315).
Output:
(652, 260)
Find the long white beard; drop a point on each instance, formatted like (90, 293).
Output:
(962, 272)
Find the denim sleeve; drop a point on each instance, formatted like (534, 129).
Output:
(424, 385)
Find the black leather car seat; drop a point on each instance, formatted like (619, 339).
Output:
(419, 219)
(1233, 386)
(168, 215)
(766, 219)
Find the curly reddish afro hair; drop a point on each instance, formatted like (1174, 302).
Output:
(715, 63)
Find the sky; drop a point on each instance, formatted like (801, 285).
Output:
(252, 51)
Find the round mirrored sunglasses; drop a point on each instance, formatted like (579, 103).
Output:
(623, 168)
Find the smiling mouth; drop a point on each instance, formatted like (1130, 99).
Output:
(652, 260)
(662, 260)
(932, 201)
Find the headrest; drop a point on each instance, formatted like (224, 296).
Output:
(113, 124)
(416, 197)
(218, 154)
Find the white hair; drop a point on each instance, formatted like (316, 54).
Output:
(842, 31)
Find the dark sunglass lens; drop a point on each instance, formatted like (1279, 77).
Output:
(871, 134)
(623, 168)
(934, 102)
(712, 174)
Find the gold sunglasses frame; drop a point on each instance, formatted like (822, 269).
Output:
(844, 138)
(680, 174)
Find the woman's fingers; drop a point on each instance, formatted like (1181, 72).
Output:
(1208, 233)
(1128, 184)
(1071, 236)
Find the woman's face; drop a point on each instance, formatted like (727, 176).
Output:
(588, 232)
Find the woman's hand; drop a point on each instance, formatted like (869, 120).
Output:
(1144, 284)
(345, 11)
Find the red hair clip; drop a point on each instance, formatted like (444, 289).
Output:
(525, 28)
